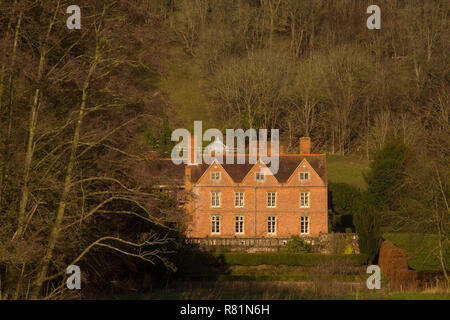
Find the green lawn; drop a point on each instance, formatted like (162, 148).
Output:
(288, 273)
(347, 169)
(422, 249)
(289, 259)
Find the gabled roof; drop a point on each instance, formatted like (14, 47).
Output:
(215, 163)
(288, 163)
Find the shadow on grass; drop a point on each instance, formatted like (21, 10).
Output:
(200, 265)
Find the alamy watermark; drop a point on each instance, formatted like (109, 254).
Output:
(374, 21)
(374, 281)
(189, 150)
(74, 20)
(74, 280)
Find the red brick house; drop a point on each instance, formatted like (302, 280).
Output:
(247, 200)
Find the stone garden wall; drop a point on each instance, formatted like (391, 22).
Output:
(324, 243)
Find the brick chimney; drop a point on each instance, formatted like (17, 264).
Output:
(305, 145)
(192, 156)
(187, 178)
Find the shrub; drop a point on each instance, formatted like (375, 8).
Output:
(349, 249)
(297, 245)
(343, 198)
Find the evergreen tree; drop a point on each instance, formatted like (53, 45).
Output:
(367, 224)
(385, 175)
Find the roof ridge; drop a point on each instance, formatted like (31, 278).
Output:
(281, 155)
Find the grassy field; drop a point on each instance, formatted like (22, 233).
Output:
(397, 296)
(422, 249)
(347, 169)
(327, 280)
(183, 87)
(290, 259)
(281, 290)
(289, 273)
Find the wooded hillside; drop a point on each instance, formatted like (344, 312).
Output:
(312, 68)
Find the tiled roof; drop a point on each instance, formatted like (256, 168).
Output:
(171, 173)
(288, 163)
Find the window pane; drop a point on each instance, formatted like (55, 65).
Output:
(271, 199)
(304, 225)
(239, 224)
(215, 199)
(215, 224)
(271, 224)
(304, 199)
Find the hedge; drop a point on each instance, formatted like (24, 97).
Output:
(289, 259)
(419, 246)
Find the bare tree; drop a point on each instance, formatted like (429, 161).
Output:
(303, 110)
(189, 18)
(79, 157)
(345, 78)
(253, 90)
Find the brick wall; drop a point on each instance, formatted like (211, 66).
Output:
(393, 262)
(287, 211)
(255, 211)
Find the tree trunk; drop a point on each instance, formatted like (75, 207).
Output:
(67, 185)
(5, 152)
(31, 132)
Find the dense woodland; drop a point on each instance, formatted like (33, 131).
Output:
(312, 68)
(76, 107)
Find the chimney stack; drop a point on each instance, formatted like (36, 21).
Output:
(187, 178)
(305, 145)
(192, 155)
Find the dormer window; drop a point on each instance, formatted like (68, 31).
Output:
(259, 176)
(215, 176)
(304, 176)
